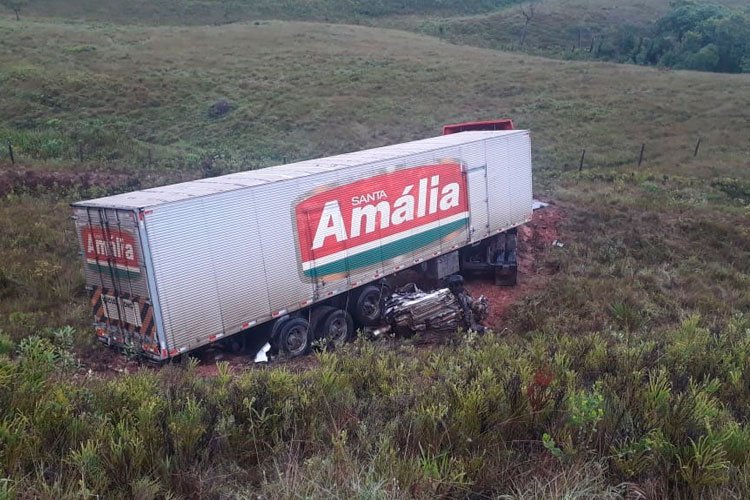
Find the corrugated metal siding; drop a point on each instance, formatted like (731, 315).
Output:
(186, 279)
(519, 173)
(275, 202)
(237, 258)
(498, 185)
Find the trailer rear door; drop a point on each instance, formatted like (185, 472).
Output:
(115, 277)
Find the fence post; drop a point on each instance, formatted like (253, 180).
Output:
(697, 146)
(640, 158)
(583, 155)
(10, 150)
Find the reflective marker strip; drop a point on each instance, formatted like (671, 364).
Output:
(278, 313)
(417, 260)
(211, 338)
(248, 324)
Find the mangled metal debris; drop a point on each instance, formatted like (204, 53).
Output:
(410, 309)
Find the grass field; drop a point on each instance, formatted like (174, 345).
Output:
(632, 360)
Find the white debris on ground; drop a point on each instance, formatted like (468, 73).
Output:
(262, 355)
(536, 204)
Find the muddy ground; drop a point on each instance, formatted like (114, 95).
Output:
(533, 238)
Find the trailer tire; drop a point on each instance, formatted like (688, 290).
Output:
(367, 307)
(275, 330)
(337, 327)
(316, 317)
(295, 337)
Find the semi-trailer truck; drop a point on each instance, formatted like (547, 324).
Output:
(303, 250)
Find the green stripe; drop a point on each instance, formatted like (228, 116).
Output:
(387, 251)
(120, 273)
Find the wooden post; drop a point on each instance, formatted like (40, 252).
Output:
(10, 150)
(640, 158)
(697, 146)
(583, 155)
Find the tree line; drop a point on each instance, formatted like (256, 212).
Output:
(691, 35)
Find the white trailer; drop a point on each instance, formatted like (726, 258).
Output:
(295, 248)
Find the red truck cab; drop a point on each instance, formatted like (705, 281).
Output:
(504, 124)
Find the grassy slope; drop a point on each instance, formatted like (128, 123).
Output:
(303, 90)
(645, 247)
(558, 25)
(162, 12)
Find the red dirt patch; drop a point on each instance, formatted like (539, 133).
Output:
(533, 238)
(18, 177)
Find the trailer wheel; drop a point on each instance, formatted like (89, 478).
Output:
(367, 308)
(295, 338)
(276, 328)
(317, 315)
(337, 327)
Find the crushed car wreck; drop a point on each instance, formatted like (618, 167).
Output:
(409, 309)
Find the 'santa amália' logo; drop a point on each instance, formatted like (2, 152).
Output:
(110, 251)
(379, 218)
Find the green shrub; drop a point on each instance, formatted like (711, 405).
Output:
(7, 346)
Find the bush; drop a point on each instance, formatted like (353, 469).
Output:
(437, 423)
